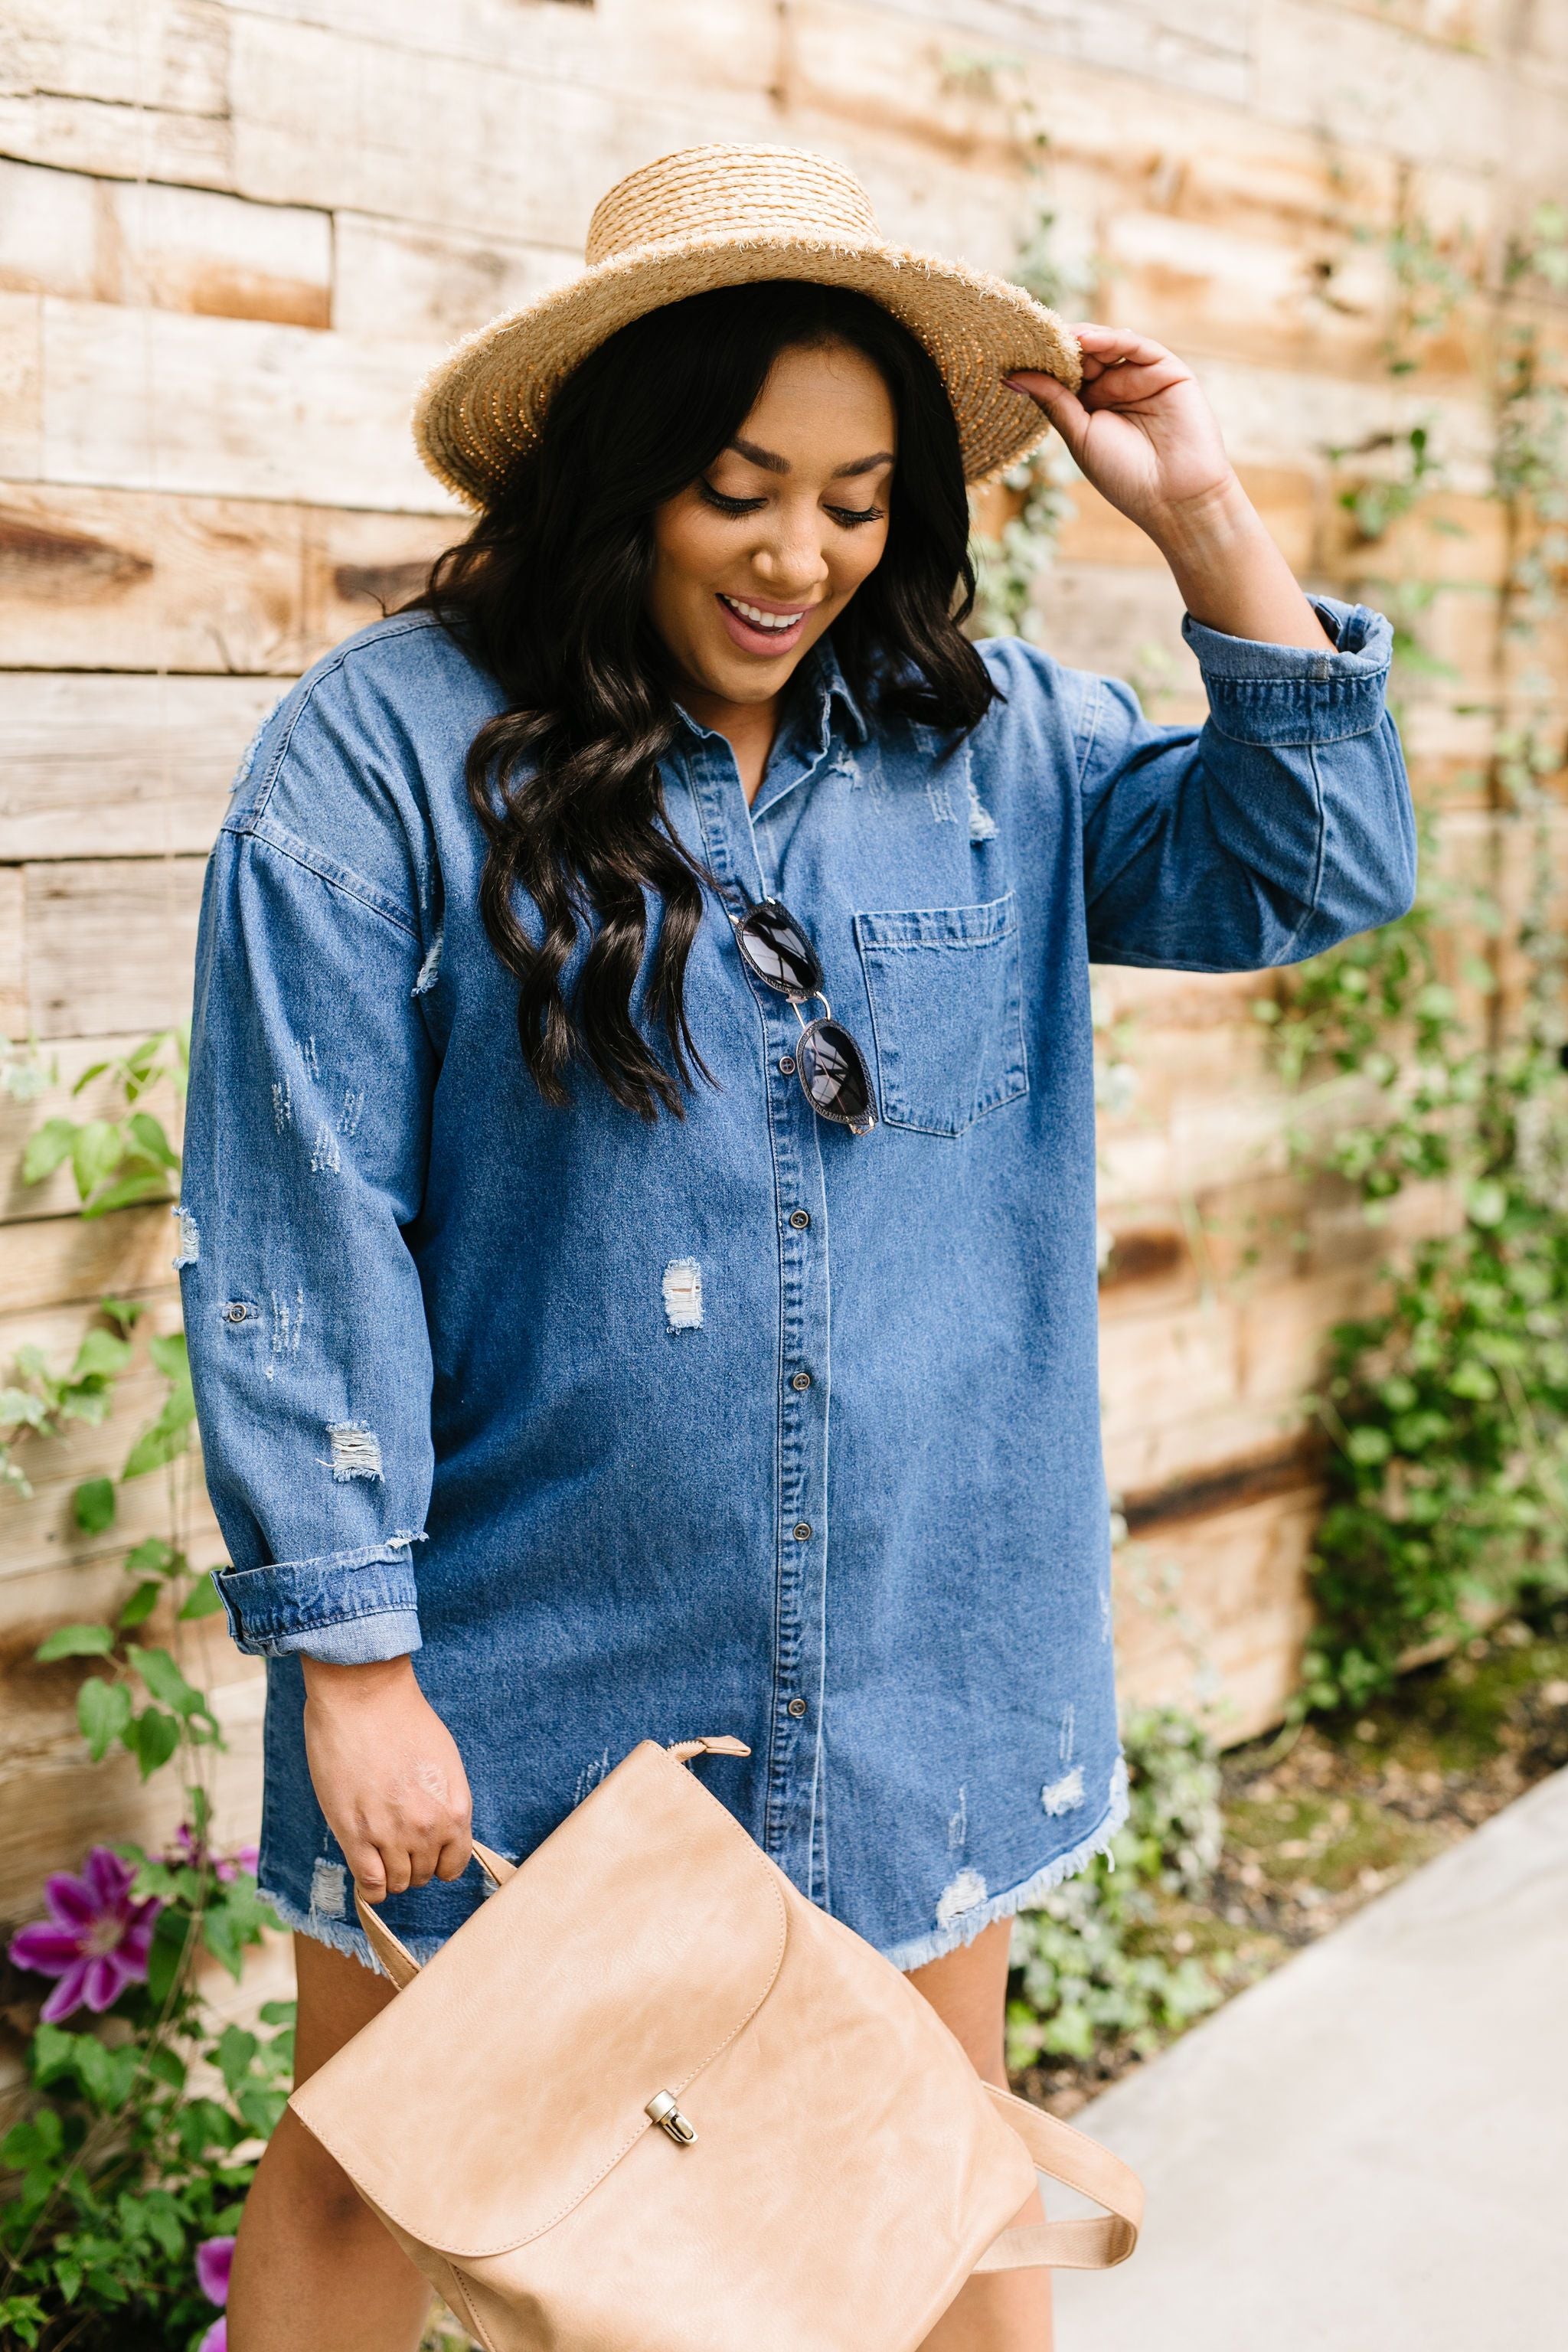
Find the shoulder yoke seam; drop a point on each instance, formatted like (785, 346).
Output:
(406, 624)
(340, 880)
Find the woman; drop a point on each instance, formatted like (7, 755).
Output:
(728, 1357)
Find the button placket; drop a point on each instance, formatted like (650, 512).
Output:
(793, 1831)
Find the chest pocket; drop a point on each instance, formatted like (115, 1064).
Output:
(947, 1011)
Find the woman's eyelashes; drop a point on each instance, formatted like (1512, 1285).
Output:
(729, 506)
(848, 516)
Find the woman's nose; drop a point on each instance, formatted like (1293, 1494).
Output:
(790, 557)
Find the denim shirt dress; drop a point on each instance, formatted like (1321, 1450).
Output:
(740, 1422)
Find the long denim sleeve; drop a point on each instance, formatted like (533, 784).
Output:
(310, 1075)
(1279, 827)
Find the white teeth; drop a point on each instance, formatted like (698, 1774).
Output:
(761, 620)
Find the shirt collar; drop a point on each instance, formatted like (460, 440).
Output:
(820, 690)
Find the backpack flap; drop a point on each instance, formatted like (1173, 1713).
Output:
(514, 2072)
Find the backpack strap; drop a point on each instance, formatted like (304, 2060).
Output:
(1081, 2163)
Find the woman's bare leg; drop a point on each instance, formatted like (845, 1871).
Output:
(1004, 2311)
(313, 2269)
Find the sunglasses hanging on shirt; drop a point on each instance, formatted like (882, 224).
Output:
(829, 1063)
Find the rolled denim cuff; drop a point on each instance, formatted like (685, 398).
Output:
(1291, 694)
(345, 1608)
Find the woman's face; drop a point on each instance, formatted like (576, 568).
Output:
(753, 561)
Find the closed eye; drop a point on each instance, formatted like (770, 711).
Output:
(850, 516)
(729, 506)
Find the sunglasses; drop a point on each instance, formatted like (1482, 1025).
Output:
(829, 1063)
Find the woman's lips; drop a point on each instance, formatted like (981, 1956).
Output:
(751, 639)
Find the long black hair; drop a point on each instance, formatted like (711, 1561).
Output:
(549, 591)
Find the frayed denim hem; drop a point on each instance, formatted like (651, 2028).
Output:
(342, 1934)
(974, 1922)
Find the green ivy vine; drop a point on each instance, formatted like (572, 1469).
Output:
(1433, 1051)
(144, 2116)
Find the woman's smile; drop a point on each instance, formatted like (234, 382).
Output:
(768, 630)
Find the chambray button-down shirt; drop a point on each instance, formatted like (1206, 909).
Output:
(741, 1423)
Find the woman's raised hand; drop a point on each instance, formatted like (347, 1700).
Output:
(387, 1775)
(1140, 430)
(1138, 427)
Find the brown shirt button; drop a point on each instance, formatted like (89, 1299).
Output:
(786, 1063)
(799, 1219)
(797, 1706)
(803, 1530)
(800, 1380)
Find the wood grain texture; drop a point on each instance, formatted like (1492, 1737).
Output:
(227, 407)
(95, 240)
(109, 942)
(107, 579)
(233, 237)
(102, 766)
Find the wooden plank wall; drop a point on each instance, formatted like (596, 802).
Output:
(233, 237)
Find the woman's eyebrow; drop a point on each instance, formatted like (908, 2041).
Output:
(772, 463)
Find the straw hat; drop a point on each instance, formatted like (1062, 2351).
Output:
(724, 217)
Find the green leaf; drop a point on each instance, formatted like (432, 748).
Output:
(1485, 1204)
(101, 1356)
(234, 2051)
(75, 1642)
(203, 1599)
(163, 2225)
(97, 1149)
(166, 2067)
(148, 1184)
(46, 1149)
(169, 1354)
(139, 1606)
(126, 1312)
(23, 2315)
(38, 2141)
(1368, 1445)
(152, 1738)
(169, 1957)
(152, 1557)
(92, 1506)
(222, 1939)
(170, 1433)
(169, 1436)
(104, 1710)
(148, 1134)
(166, 1683)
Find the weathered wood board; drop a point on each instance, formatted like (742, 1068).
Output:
(232, 239)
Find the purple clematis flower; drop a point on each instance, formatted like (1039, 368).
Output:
(214, 2260)
(96, 1940)
(187, 1849)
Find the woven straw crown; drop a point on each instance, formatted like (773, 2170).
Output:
(725, 215)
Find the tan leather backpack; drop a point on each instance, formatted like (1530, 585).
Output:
(650, 2099)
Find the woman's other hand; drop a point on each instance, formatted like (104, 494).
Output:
(387, 1775)
(1140, 430)
(1139, 426)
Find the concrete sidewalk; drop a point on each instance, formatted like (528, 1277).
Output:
(1367, 2152)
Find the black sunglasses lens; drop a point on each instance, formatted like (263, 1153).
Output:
(832, 1072)
(778, 950)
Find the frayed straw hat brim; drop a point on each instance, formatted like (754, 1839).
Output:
(482, 408)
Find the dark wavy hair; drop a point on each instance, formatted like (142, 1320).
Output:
(549, 591)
